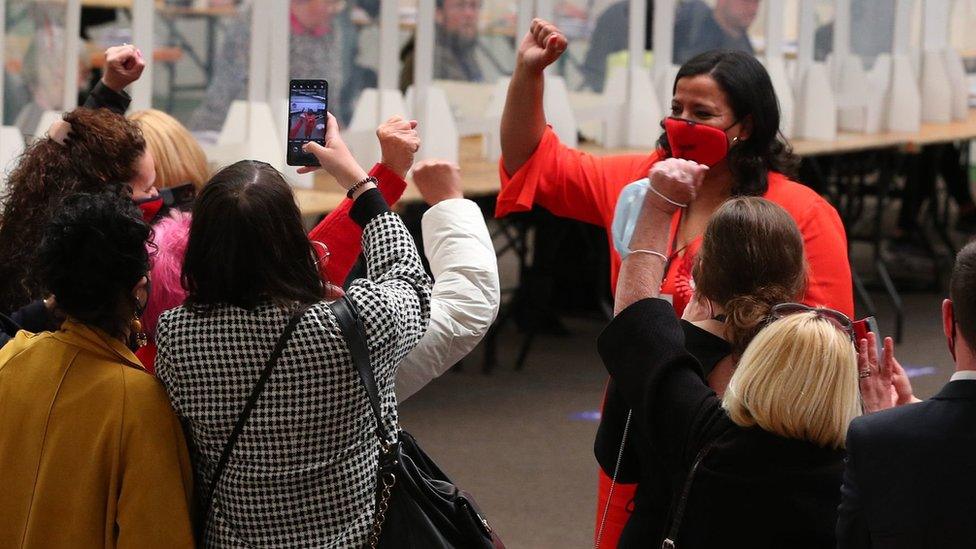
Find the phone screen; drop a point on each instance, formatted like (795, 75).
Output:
(307, 106)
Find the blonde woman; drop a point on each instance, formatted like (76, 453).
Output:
(179, 158)
(762, 466)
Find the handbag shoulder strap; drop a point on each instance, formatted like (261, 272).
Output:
(352, 332)
(252, 401)
(679, 511)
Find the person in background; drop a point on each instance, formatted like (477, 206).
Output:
(724, 105)
(455, 44)
(250, 270)
(316, 50)
(699, 28)
(91, 453)
(909, 480)
(760, 466)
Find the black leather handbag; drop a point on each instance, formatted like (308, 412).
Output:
(417, 504)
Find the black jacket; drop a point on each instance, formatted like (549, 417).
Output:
(910, 479)
(33, 317)
(651, 505)
(753, 488)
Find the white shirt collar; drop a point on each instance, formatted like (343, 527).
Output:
(963, 374)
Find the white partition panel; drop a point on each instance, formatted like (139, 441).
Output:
(776, 65)
(663, 41)
(814, 95)
(72, 47)
(143, 16)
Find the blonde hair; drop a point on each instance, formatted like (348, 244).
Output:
(797, 379)
(179, 158)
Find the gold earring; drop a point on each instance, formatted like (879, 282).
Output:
(141, 338)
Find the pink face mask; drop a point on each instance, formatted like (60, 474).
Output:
(697, 142)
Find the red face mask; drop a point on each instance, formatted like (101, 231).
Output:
(700, 143)
(150, 207)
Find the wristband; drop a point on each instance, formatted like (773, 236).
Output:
(655, 191)
(352, 190)
(651, 252)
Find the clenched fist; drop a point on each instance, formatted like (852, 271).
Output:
(399, 141)
(123, 66)
(677, 180)
(437, 180)
(541, 46)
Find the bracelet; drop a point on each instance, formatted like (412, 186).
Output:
(651, 252)
(655, 191)
(352, 190)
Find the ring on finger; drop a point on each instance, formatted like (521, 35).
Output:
(864, 373)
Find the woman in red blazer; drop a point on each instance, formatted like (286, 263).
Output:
(724, 114)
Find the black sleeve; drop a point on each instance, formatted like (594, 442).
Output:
(103, 97)
(643, 349)
(367, 206)
(852, 529)
(33, 317)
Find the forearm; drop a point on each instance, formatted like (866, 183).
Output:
(523, 119)
(641, 273)
(465, 297)
(102, 96)
(342, 236)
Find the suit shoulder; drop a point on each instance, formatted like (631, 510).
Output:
(894, 422)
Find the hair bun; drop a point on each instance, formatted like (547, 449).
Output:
(747, 314)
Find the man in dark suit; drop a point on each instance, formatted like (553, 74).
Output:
(910, 479)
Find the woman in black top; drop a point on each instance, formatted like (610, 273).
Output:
(734, 295)
(770, 451)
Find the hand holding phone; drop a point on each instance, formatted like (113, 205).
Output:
(334, 157)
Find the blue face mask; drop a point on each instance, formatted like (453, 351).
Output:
(625, 215)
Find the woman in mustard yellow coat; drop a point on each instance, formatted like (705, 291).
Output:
(91, 453)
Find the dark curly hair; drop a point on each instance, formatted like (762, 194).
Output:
(92, 253)
(100, 155)
(750, 260)
(750, 93)
(247, 244)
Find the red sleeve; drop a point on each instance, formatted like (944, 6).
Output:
(568, 182)
(829, 282)
(342, 236)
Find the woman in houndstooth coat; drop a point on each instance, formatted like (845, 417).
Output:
(303, 472)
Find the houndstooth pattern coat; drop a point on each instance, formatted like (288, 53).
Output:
(303, 473)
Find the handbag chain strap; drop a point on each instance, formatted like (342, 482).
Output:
(613, 481)
(383, 503)
(679, 512)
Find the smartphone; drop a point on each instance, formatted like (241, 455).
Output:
(179, 196)
(869, 324)
(308, 103)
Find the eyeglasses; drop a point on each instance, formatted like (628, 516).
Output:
(837, 318)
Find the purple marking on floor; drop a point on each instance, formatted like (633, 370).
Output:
(586, 415)
(919, 371)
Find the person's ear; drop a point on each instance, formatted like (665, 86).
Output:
(745, 128)
(949, 326)
(140, 292)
